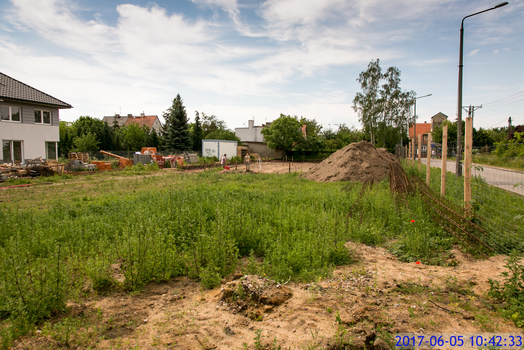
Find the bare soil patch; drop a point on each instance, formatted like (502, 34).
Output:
(360, 307)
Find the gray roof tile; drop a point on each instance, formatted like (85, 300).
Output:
(13, 89)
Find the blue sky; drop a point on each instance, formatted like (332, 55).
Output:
(241, 60)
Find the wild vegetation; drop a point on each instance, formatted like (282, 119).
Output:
(55, 240)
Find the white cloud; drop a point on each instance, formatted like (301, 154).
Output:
(473, 52)
(55, 21)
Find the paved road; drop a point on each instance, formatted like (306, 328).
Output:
(511, 180)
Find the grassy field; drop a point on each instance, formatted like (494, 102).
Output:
(63, 233)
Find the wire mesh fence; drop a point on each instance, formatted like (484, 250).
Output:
(497, 190)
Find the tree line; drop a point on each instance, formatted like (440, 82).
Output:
(87, 134)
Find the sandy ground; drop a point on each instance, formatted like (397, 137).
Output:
(360, 307)
(274, 167)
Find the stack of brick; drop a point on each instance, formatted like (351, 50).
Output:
(83, 157)
(101, 165)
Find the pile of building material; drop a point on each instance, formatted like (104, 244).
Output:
(34, 168)
(79, 161)
(122, 161)
(83, 157)
(357, 162)
(190, 158)
(101, 165)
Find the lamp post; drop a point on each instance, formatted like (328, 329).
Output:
(415, 121)
(458, 171)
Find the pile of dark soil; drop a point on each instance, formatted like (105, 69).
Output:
(357, 162)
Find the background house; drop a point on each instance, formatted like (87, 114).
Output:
(151, 121)
(424, 129)
(254, 140)
(29, 122)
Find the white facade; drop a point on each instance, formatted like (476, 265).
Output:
(217, 148)
(250, 134)
(32, 136)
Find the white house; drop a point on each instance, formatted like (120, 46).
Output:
(253, 138)
(29, 122)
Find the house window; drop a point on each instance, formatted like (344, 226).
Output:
(9, 113)
(50, 150)
(42, 117)
(12, 151)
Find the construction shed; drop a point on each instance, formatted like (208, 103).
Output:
(216, 148)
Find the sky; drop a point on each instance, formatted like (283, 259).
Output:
(247, 59)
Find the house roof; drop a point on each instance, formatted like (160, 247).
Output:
(422, 128)
(440, 114)
(15, 90)
(147, 120)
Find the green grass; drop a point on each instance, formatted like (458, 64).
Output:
(499, 212)
(54, 238)
(515, 163)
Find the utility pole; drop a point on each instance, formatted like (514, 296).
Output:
(509, 128)
(471, 110)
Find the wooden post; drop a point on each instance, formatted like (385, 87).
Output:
(428, 159)
(444, 160)
(413, 152)
(419, 152)
(468, 144)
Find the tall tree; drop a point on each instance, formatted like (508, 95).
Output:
(383, 109)
(366, 102)
(211, 123)
(176, 129)
(196, 133)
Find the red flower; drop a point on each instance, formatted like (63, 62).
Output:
(412, 220)
(417, 262)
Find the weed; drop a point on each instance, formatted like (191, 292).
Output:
(510, 294)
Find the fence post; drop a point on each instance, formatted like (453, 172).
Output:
(467, 162)
(419, 152)
(413, 151)
(428, 159)
(444, 160)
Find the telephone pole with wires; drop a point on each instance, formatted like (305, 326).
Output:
(471, 110)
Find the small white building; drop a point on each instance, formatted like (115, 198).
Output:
(253, 138)
(217, 148)
(29, 122)
(250, 134)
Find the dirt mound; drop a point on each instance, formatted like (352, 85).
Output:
(253, 296)
(357, 162)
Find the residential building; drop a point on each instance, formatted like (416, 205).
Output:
(437, 120)
(29, 122)
(254, 140)
(424, 129)
(151, 121)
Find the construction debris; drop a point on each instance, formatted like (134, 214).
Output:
(122, 161)
(34, 168)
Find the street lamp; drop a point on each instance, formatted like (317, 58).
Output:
(458, 171)
(415, 120)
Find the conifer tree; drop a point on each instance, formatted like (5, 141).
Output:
(196, 133)
(176, 129)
